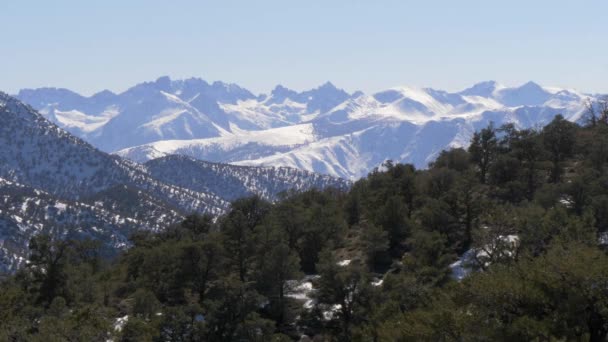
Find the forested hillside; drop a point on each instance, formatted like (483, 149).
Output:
(522, 214)
(54, 183)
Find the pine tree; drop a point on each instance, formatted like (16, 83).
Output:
(559, 140)
(483, 150)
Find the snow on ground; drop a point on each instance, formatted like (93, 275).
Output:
(120, 323)
(469, 259)
(378, 282)
(603, 239)
(302, 290)
(343, 263)
(61, 207)
(462, 267)
(329, 314)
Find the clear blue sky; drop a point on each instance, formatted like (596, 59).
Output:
(368, 45)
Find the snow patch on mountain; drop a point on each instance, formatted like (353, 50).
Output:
(231, 147)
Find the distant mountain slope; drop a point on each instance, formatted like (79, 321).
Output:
(176, 109)
(231, 148)
(325, 130)
(403, 124)
(25, 211)
(36, 153)
(233, 181)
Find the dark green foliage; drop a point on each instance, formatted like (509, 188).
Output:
(455, 159)
(375, 245)
(344, 293)
(559, 140)
(428, 258)
(137, 329)
(560, 295)
(483, 150)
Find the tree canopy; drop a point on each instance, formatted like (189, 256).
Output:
(525, 211)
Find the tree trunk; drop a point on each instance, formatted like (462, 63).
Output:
(597, 331)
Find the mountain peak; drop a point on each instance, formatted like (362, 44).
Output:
(484, 89)
(163, 82)
(163, 79)
(357, 94)
(280, 88)
(228, 87)
(329, 89)
(528, 94)
(530, 86)
(280, 93)
(104, 94)
(328, 85)
(47, 91)
(486, 83)
(7, 100)
(388, 96)
(220, 84)
(4, 99)
(4, 96)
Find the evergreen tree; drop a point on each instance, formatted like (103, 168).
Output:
(483, 150)
(559, 140)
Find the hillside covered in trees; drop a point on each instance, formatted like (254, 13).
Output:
(525, 212)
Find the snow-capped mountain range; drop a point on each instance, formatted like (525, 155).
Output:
(324, 130)
(54, 182)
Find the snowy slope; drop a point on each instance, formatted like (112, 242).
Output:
(229, 148)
